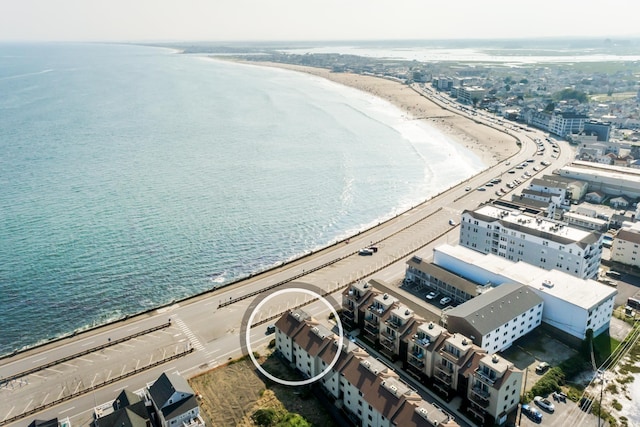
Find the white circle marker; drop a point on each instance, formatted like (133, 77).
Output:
(309, 380)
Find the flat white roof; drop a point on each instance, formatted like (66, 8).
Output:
(585, 293)
(625, 177)
(537, 223)
(586, 218)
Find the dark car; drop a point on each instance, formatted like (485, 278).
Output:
(532, 413)
(271, 329)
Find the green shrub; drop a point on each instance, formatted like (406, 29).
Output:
(265, 417)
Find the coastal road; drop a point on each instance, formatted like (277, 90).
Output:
(214, 333)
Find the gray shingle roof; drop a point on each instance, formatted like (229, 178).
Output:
(494, 308)
(166, 385)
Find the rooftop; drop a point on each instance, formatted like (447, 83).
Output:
(496, 307)
(543, 227)
(585, 293)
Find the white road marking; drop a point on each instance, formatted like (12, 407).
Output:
(76, 390)
(39, 376)
(87, 343)
(68, 364)
(28, 404)
(94, 379)
(127, 345)
(192, 337)
(211, 352)
(44, 400)
(169, 369)
(67, 410)
(62, 391)
(9, 413)
(85, 360)
(39, 360)
(55, 370)
(133, 328)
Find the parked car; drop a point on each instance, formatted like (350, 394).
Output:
(482, 189)
(559, 397)
(271, 329)
(365, 251)
(445, 301)
(544, 403)
(542, 368)
(531, 413)
(452, 222)
(433, 295)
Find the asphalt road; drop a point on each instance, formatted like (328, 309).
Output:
(215, 333)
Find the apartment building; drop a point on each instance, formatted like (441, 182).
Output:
(626, 246)
(370, 392)
(564, 124)
(519, 236)
(570, 304)
(394, 328)
(497, 318)
(445, 283)
(355, 299)
(607, 179)
(494, 388)
(376, 314)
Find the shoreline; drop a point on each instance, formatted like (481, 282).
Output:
(461, 130)
(490, 145)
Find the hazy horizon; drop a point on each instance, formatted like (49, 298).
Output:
(290, 20)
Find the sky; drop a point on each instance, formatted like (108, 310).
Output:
(256, 20)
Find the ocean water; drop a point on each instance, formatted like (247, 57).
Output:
(132, 176)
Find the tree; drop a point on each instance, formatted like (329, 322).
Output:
(293, 420)
(265, 417)
(550, 107)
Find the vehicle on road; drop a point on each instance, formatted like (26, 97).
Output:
(365, 251)
(544, 403)
(467, 188)
(271, 329)
(445, 301)
(482, 189)
(452, 222)
(542, 367)
(433, 295)
(545, 163)
(512, 171)
(531, 412)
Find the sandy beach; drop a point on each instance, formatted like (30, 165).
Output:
(490, 145)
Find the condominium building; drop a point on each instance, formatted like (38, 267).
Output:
(570, 304)
(497, 318)
(376, 314)
(626, 246)
(494, 387)
(355, 299)
(564, 124)
(519, 236)
(369, 391)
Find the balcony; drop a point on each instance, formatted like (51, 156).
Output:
(480, 397)
(347, 314)
(445, 370)
(479, 413)
(371, 329)
(448, 353)
(389, 345)
(443, 378)
(395, 324)
(484, 376)
(417, 361)
(422, 342)
(371, 320)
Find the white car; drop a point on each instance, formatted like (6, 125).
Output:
(544, 403)
(433, 295)
(445, 301)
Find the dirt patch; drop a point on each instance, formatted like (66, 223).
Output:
(232, 393)
(537, 346)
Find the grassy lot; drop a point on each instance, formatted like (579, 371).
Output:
(232, 394)
(603, 97)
